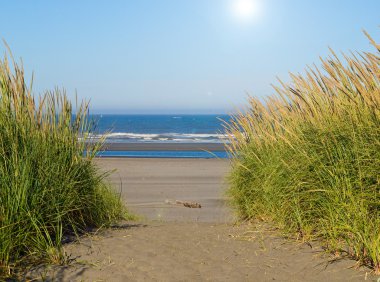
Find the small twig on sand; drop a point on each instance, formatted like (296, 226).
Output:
(184, 203)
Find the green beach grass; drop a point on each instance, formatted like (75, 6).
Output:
(49, 184)
(308, 158)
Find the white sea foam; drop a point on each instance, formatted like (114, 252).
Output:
(161, 137)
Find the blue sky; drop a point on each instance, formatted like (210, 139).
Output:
(177, 56)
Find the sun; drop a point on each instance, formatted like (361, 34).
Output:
(245, 10)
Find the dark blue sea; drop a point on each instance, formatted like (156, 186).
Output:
(162, 129)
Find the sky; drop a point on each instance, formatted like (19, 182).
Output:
(178, 56)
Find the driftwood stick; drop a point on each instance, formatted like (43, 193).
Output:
(193, 205)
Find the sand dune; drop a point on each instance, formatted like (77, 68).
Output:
(175, 243)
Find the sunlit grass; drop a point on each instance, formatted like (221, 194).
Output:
(308, 157)
(49, 184)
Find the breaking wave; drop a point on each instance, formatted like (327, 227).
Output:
(121, 137)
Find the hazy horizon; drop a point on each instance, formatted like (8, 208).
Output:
(163, 112)
(173, 57)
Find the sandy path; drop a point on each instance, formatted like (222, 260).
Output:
(176, 243)
(198, 252)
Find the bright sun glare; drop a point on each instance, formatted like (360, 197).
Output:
(245, 10)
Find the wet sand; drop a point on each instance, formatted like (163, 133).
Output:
(175, 243)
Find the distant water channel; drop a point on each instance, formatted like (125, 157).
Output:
(165, 154)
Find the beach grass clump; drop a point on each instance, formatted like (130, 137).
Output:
(50, 186)
(308, 157)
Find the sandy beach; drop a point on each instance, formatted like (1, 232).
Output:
(173, 243)
(150, 187)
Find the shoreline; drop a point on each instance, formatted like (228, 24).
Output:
(212, 147)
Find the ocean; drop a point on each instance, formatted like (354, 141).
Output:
(167, 129)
